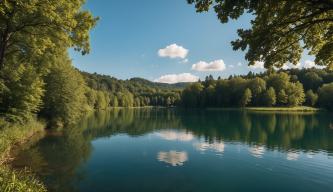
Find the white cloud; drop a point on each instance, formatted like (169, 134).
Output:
(176, 78)
(257, 65)
(291, 66)
(184, 61)
(307, 64)
(231, 66)
(173, 51)
(239, 64)
(217, 65)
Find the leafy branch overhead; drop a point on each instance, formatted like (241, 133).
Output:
(281, 29)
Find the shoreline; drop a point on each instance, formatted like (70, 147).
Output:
(271, 109)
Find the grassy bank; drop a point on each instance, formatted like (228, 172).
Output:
(13, 135)
(300, 109)
(272, 109)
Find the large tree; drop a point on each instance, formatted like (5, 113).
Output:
(33, 27)
(281, 29)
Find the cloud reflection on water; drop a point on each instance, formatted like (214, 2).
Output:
(257, 151)
(204, 146)
(174, 158)
(175, 135)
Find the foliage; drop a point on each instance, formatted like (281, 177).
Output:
(106, 91)
(280, 29)
(325, 96)
(311, 98)
(34, 28)
(191, 96)
(246, 99)
(65, 100)
(245, 91)
(269, 98)
(35, 36)
(21, 95)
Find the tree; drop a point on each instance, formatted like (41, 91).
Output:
(246, 99)
(33, 28)
(21, 94)
(278, 81)
(282, 97)
(269, 97)
(191, 96)
(280, 29)
(325, 96)
(311, 98)
(312, 81)
(257, 86)
(64, 100)
(295, 94)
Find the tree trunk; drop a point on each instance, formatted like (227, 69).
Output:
(3, 45)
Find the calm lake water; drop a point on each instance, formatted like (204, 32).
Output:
(187, 151)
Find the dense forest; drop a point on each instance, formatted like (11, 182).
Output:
(288, 88)
(105, 91)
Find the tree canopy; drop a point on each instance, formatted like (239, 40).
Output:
(36, 27)
(281, 29)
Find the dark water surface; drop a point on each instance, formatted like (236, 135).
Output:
(196, 150)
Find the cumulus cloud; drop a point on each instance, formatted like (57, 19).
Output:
(217, 65)
(173, 51)
(231, 66)
(177, 78)
(257, 65)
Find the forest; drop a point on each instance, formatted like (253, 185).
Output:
(286, 88)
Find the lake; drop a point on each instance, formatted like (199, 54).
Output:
(188, 151)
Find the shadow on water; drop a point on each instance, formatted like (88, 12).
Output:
(57, 158)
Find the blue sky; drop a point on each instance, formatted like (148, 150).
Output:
(130, 33)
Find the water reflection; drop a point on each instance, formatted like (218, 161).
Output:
(257, 151)
(292, 156)
(174, 158)
(175, 135)
(215, 146)
(58, 158)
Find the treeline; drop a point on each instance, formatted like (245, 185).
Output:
(105, 91)
(311, 87)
